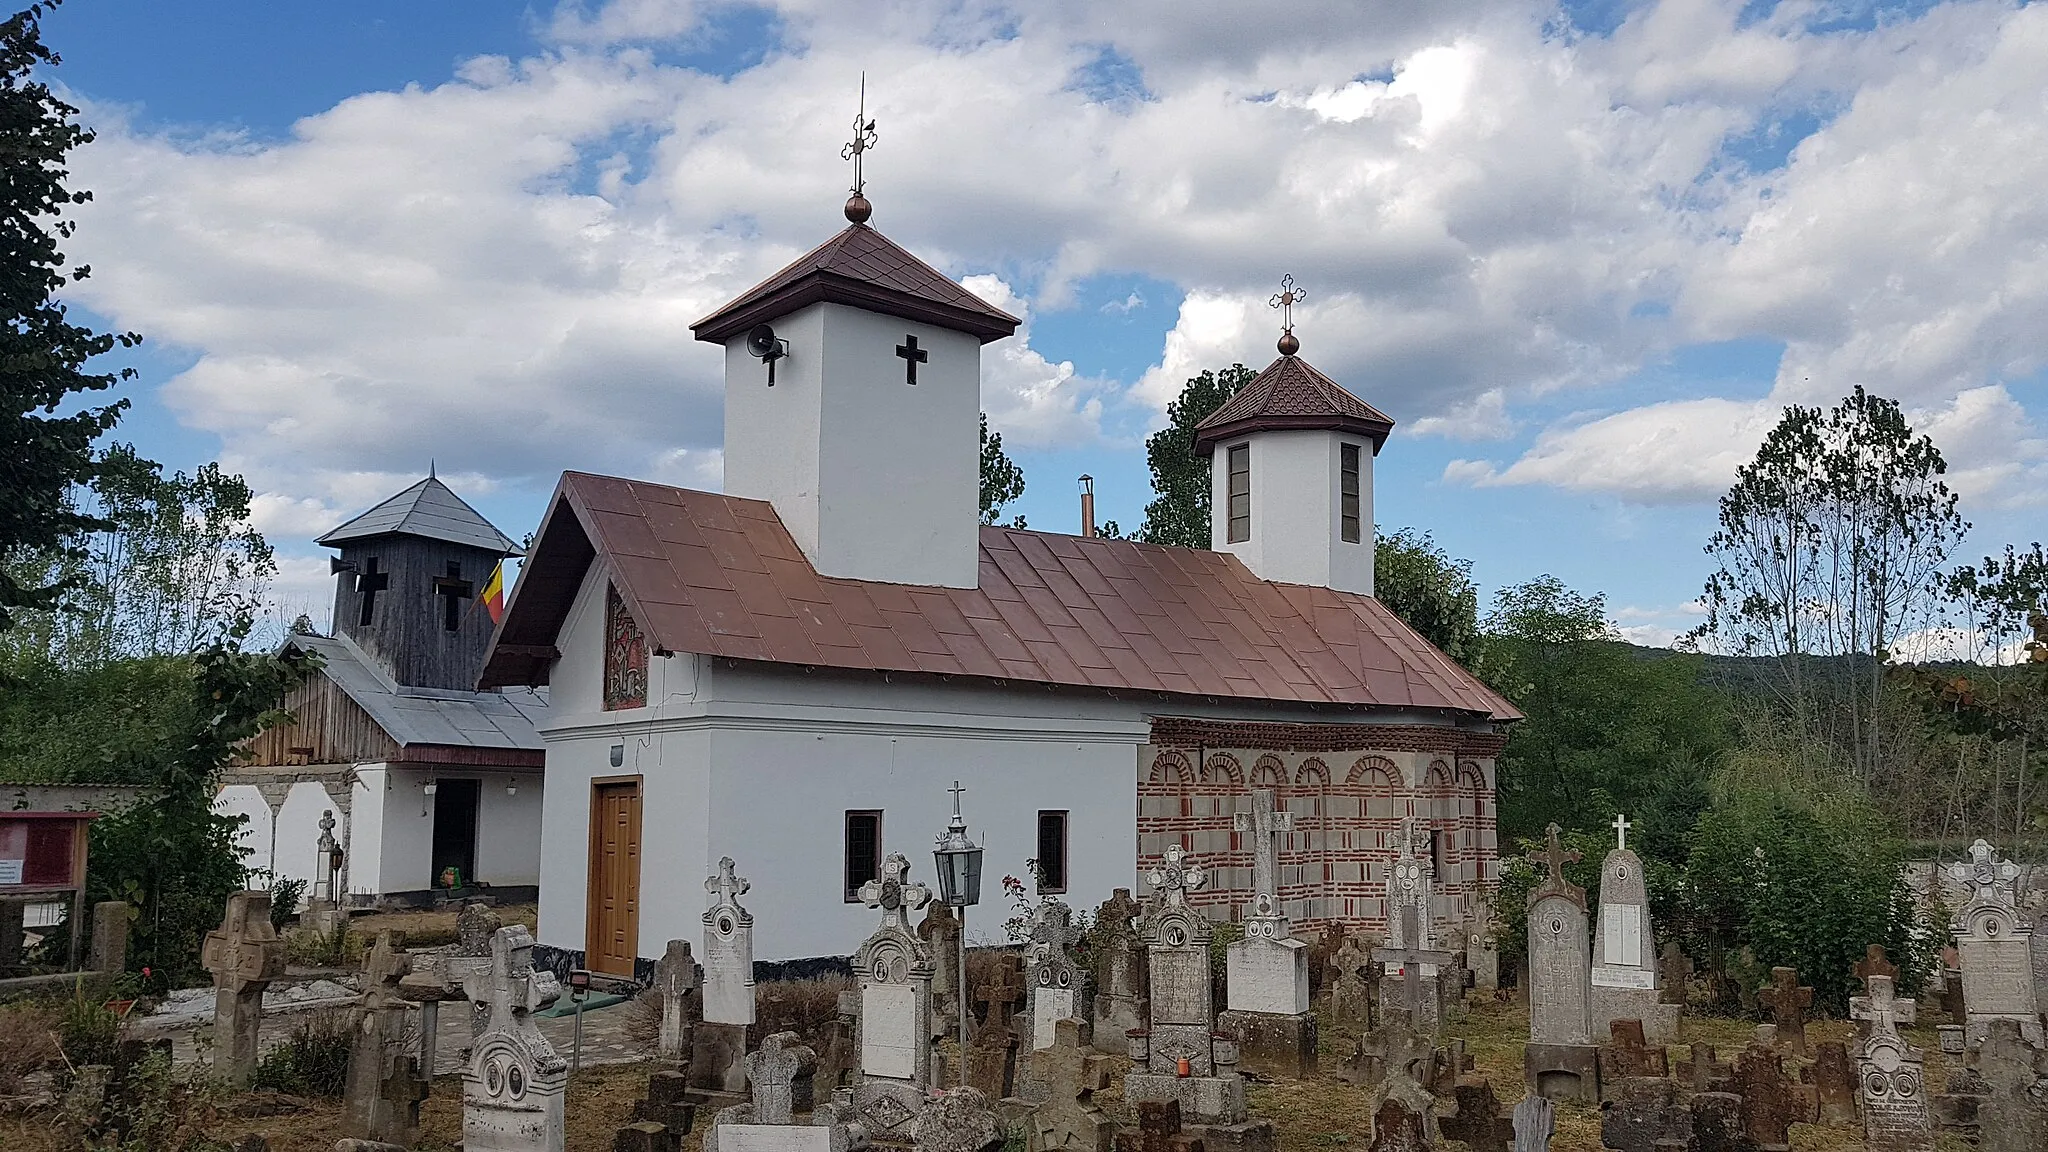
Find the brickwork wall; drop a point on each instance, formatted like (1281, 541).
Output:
(1348, 801)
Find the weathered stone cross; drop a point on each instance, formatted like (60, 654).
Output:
(1177, 877)
(1267, 824)
(1554, 857)
(1411, 959)
(1884, 1010)
(894, 895)
(1788, 1003)
(727, 885)
(1874, 963)
(773, 1070)
(1990, 879)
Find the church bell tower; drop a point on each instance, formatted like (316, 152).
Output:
(852, 397)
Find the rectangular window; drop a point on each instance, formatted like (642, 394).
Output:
(1052, 852)
(863, 851)
(1240, 490)
(1347, 491)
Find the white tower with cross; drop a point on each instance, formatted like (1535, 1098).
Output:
(852, 402)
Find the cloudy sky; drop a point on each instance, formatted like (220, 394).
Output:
(1582, 254)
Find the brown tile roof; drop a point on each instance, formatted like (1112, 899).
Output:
(1290, 394)
(865, 269)
(720, 575)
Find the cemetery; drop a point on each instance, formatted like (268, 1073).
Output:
(779, 792)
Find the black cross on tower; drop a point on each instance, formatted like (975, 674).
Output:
(369, 582)
(912, 357)
(452, 589)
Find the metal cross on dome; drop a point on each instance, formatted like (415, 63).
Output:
(863, 137)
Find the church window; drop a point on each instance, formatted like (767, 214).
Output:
(625, 656)
(1347, 491)
(1052, 852)
(863, 851)
(1240, 491)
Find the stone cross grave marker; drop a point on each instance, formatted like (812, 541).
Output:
(1788, 1002)
(992, 1053)
(244, 955)
(893, 971)
(1055, 979)
(1874, 963)
(1409, 884)
(384, 1088)
(1268, 968)
(475, 925)
(677, 976)
(1177, 951)
(1414, 966)
(1674, 975)
(779, 1071)
(1069, 1117)
(1158, 1130)
(728, 950)
(1351, 1004)
(940, 930)
(1624, 979)
(2013, 1116)
(957, 1121)
(1535, 1123)
(1834, 1082)
(1770, 1103)
(1560, 963)
(1995, 947)
(1119, 972)
(513, 1087)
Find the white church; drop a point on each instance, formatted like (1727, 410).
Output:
(794, 672)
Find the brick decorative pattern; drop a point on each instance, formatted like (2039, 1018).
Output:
(1348, 802)
(1190, 733)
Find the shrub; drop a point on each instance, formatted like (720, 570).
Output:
(285, 892)
(88, 1030)
(313, 1060)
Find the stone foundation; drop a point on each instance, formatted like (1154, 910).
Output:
(1202, 1099)
(1271, 1045)
(1256, 1136)
(1562, 1071)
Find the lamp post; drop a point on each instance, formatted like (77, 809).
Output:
(959, 868)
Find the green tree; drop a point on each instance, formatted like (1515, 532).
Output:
(1001, 480)
(1429, 590)
(1179, 511)
(1610, 728)
(1831, 543)
(44, 450)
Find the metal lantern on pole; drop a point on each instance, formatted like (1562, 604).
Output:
(958, 862)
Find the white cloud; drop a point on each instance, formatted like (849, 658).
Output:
(1489, 212)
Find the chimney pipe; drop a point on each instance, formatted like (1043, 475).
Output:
(1087, 505)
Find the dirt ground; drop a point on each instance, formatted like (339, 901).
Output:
(1319, 1114)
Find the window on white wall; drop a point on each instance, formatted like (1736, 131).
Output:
(1052, 851)
(1347, 491)
(863, 851)
(1240, 491)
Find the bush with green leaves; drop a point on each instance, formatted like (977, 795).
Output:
(313, 1060)
(285, 892)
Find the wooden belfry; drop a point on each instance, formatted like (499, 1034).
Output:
(406, 585)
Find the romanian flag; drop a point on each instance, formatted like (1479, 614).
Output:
(494, 593)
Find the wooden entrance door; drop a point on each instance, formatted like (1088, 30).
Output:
(611, 939)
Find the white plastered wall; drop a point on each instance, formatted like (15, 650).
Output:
(875, 478)
(1296, 529)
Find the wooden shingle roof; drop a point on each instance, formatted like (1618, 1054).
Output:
(720, 575)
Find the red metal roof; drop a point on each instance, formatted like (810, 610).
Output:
(866, 269)
(720, 575)
(1291, 394)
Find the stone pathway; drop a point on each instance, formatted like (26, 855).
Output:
(604, 1036)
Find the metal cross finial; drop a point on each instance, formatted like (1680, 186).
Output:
(863, 138)
(956, 790)
(1621, 827)
(1285, 300)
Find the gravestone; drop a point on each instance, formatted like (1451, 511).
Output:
(1482, 951)
(1623, 985)
(1384, 1051)
(1477, 1121)
(956, 1121)
(1411, 923)
(1069, 1118)
(1627, 1054)
(1674, 975)
(1718, 1124)
(893, 972)
(1268, 967)
(384, 1088)
(1770, 1104)
(1995, 947)
(2014, 1114)
(1398, 1127)
(940, 930)
(718, 1043)
(1702, 1072)
(992, 1053)
(475, 926)
(780, 1075)
(110, 919)
(1055, 978)
(677, 977)
(1559, 1062)
(1416, 1005)
(244, 955)
(1351, 993)
(1833, 1079)
(1119, 972)
(1535, 1123)
(513, 1086)
(667, 1104)
(1184, 1060)
(1788, 1002)
(1641, 1112)
(1874, 963)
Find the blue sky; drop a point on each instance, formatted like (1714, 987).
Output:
(1582, 256)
